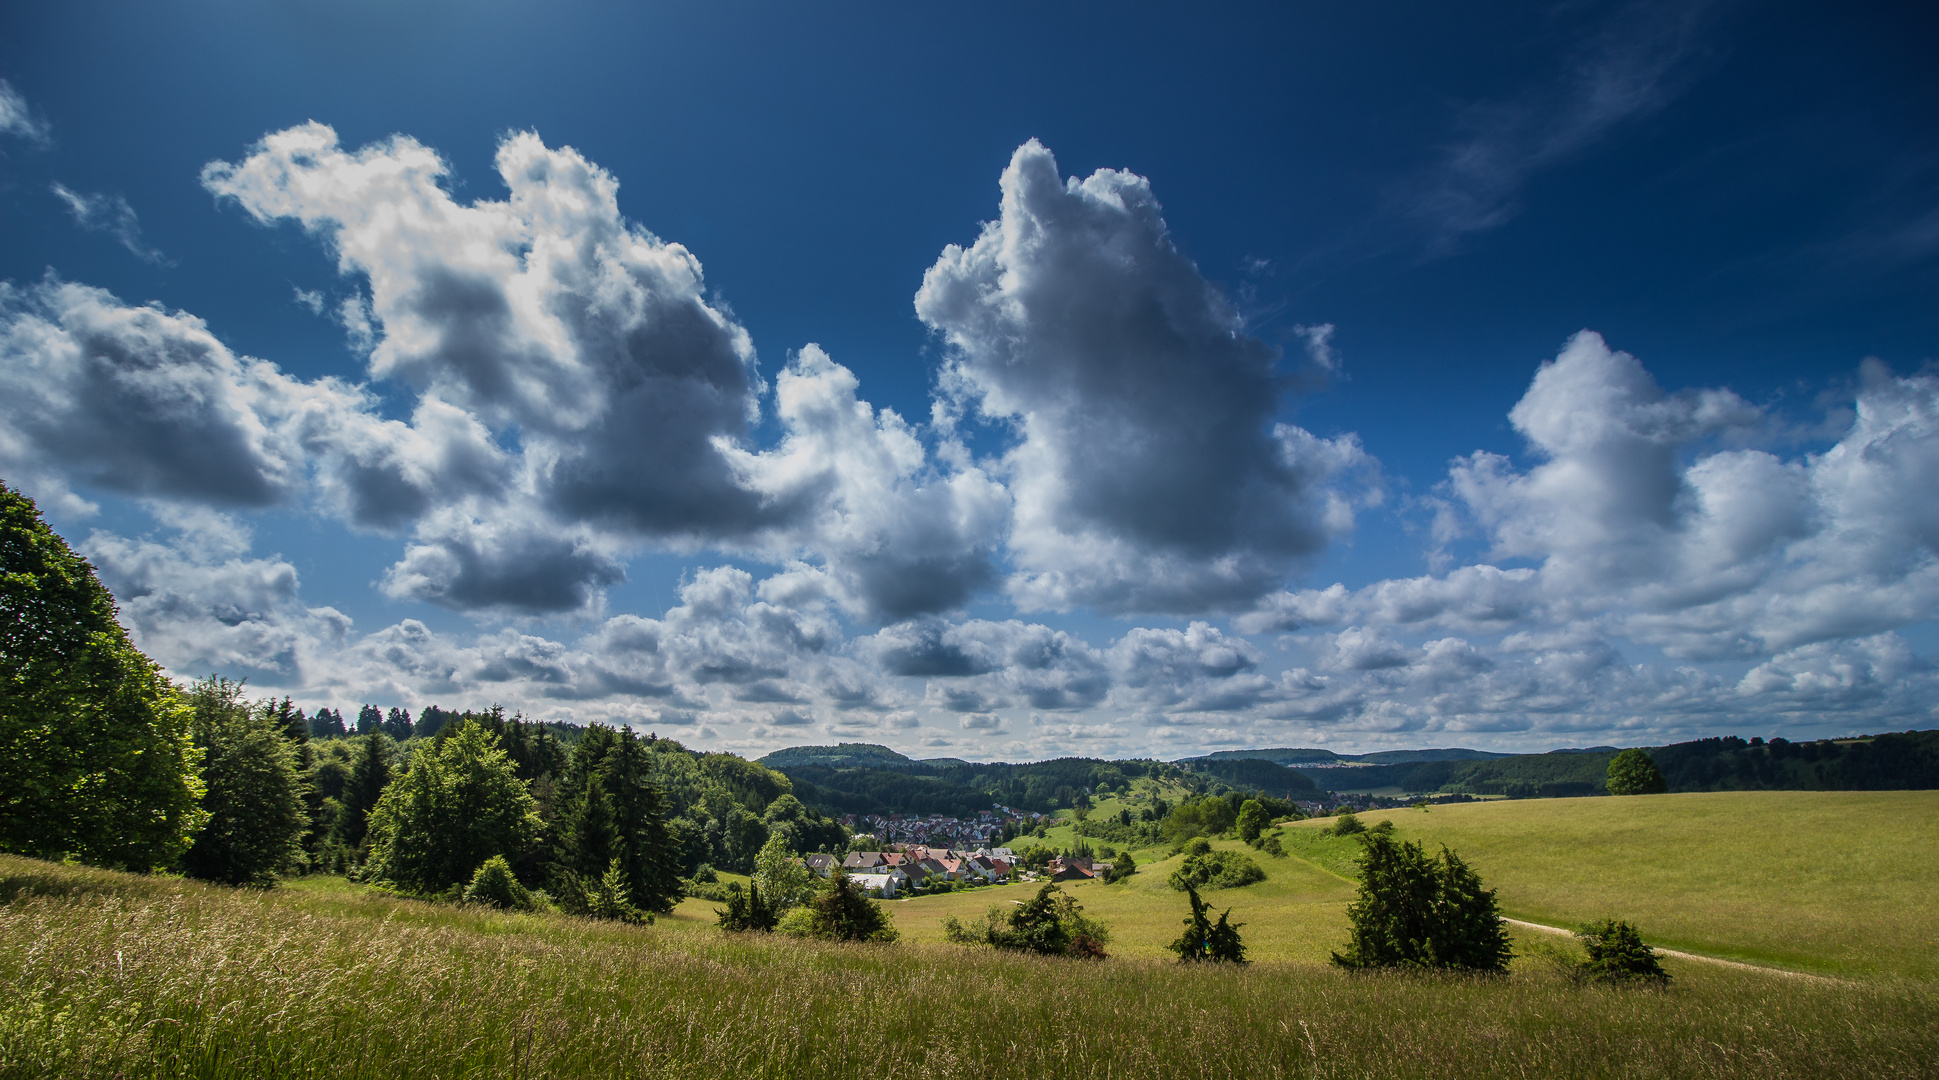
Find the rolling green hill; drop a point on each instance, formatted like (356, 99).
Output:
(1837, 882)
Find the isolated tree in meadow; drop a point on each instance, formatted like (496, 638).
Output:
(1205, 940)
(255, 788)
(1416, 911)
(1122, 867)
(1634, 772)
(780, 873)
(1617, 954)
(96, 758)
(459, 803)
(841, 911)
(1253, 819)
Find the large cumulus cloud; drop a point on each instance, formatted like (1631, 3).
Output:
(1638, 522)
(1148, 471)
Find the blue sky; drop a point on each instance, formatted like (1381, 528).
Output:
(1147, 420)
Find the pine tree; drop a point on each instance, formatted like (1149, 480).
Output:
(611, 809)
(1205, 940)
(842, 912)
(747, 909)
(368, 777)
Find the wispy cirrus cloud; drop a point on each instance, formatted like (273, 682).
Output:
(108, 214)
(17, 118)
(1634, 64)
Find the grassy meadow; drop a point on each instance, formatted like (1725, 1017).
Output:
(111, 975)
(1840, 882)
(106, 975)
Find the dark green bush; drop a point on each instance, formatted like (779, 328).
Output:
(1617, 955)
(1052, 923)
(1208, 941)
(1414, 911)
(747, 910)
(495, 885)
(1216, 870)
(1634, 772)
(1347, 825)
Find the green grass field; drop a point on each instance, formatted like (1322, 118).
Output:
(1837, 882)
(111, 975)
(1831, 882)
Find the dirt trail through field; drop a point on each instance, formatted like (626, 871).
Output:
(1681, 955)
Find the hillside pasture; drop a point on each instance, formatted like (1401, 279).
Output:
(105, 976)
(1834, 882)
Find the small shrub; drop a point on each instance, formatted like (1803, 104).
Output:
(1617, 955)
(1198, 846)
(1122, 867)
(1347, 825)
(1207, 941)
(1052, 923)
(1216, 870)
(496, 886)
(608, 898)
(747, 910)
(706, 874)
(1271, 846)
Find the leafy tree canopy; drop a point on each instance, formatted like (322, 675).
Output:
(255, 789)
(459, 803)
(1634, 772)
(96, 759)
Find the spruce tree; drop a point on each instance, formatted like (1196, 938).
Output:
(611, 809)
(368, 777)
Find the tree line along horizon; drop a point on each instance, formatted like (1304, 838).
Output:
(104, 760)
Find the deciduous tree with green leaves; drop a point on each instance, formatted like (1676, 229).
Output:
(783, 880)
(255, 789)
(1254, 819)
(459, 803)
(96, 758)
(1634, 772)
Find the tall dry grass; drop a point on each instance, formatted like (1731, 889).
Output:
(102, 975)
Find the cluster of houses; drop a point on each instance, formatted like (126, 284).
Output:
(888, 873)
(939, 830)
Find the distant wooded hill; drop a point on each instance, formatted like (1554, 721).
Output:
(1892, 761)
(867, 778)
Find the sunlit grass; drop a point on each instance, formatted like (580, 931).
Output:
(1841, 882)
(102, 975)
